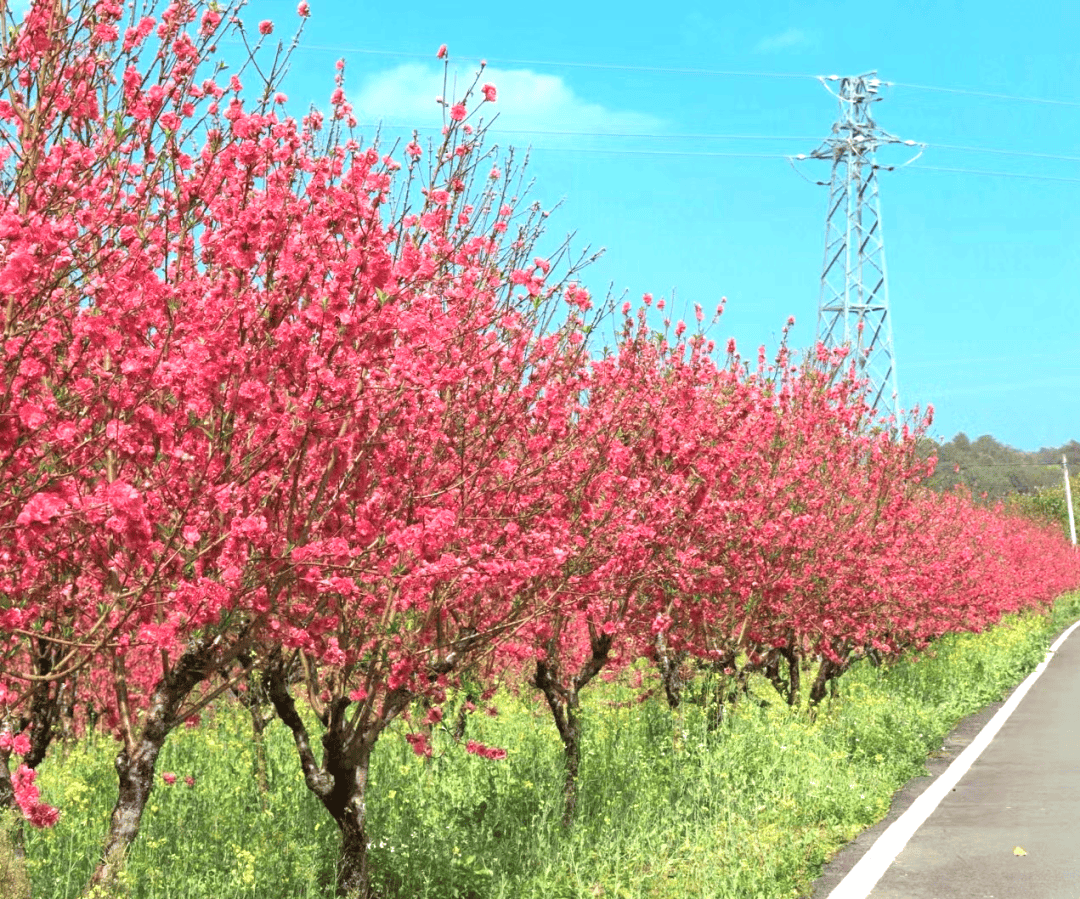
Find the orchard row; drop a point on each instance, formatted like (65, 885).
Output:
(282, 409)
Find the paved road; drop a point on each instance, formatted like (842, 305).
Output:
(1022, 791)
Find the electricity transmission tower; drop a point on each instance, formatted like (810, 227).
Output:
(853, 306)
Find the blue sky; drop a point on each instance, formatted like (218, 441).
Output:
(983, 268)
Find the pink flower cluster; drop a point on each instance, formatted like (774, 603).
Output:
(28, 798)
(486, 752)
(420, 745)
(18, 744)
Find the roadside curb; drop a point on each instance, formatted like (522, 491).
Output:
(839, 879)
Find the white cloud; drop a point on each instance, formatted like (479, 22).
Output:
(785, 40)
(527, 101)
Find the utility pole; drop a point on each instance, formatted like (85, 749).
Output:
(1068, 498)
(853, 306)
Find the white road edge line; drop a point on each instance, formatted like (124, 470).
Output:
(862, 878)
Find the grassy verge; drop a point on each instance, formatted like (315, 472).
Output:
(668, 809)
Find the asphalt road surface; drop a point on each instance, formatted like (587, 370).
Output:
(1004, 826)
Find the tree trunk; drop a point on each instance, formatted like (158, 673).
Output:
(670, 665)
(262, 768)
(45, 698)
(462, 717)
(726, 690)
(68, 691)
(786, 687)
(135, 774)
(135, 763)
(825, 681)
(563, 700)
(254, 698)
(340, 781)
(346, 805)
(794, 675)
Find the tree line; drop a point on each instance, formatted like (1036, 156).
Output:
(290, 412)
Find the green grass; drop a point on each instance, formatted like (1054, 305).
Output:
(667, 809)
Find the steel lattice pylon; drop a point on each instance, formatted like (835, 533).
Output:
(853, 306)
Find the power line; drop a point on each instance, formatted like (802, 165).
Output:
(650, 135)
(983, 360)
(567, 64)
(710, 154)
(1003, 152)
(938, 168)
(676, 70)
(625, 151)
(660, 135)
(656, 134)
(989, 94)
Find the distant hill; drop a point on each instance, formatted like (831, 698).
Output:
(987, 466)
